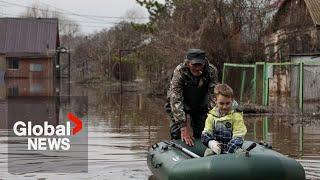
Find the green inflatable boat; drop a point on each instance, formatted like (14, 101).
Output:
(173, 160)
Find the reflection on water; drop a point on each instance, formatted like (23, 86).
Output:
(123, 127)
(289, 105)
(295, 136)
(28, 87)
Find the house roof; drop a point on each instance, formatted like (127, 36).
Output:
(28, 35)
(313, 8)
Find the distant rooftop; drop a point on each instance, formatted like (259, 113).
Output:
(33, 36)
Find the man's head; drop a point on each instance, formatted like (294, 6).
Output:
(196, 60)
(223, 97)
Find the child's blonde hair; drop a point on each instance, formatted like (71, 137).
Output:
(224, 90)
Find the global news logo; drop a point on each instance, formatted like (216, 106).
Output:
(48, 137)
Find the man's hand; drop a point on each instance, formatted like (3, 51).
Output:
(215, 146)
(187, 136)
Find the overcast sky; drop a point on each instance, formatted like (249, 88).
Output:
(110, 10)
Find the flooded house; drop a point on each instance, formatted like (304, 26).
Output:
(28, 55)
(27, 69)
(294, 36)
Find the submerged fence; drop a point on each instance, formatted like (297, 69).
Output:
(257, 83)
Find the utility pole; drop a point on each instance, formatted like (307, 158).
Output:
(63, 50)
(120, 64)
(120, 70)
(69, 73)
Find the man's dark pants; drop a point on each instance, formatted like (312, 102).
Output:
(198, 119)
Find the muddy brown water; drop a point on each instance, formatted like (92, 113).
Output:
(123, 126)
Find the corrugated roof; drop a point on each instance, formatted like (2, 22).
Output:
(314, 9)
(3, 28)
(28, 35)
(29, 54)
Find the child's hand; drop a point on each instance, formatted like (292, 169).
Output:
(187, 136)
(215, 146)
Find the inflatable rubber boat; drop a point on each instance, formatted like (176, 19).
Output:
(173, 160)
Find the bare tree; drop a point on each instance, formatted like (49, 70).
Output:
(98, 54)
(134, 15)
(228, 30)
(67, 27)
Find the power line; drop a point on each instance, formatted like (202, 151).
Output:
(64, 20)
(69, 12)
(95, 18)
(90, 15)
(41, 9)
(62, 11)
(107, 24)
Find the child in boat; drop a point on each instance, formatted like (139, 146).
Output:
(224, 128)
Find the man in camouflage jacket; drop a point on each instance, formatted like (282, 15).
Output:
(191, 96)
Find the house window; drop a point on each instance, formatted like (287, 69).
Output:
(35, 88)
(13, 91)
(306, 43)
(13, 63)
(36, 67)
(292, 45)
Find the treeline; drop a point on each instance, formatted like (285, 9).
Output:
(228, 30)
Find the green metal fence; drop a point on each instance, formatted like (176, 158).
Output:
(241, 76)
(253, 83)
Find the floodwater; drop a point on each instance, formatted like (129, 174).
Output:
(121, 128)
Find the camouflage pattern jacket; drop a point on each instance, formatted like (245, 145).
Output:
(188, 93)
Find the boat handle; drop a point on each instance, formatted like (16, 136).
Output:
(253, 145)
(155, 165)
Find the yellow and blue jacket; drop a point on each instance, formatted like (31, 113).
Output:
(223, 128)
